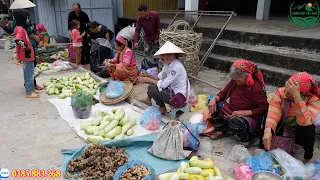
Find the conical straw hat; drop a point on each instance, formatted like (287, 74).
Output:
(168, 48)
(21, 4)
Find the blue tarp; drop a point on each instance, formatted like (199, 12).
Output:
(135, 148)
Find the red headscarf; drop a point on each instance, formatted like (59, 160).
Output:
(307, 83)
(41, 27)
(250, 68)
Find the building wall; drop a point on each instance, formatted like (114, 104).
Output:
(45, 15)
(130, 6)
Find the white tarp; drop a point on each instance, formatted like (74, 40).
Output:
(65, 111)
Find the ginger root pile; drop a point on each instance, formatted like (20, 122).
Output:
(136, 172)
(96, 162)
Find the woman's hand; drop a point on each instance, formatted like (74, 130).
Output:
(212, 106)
(143, 74)
(267, 138)
(292, 89)
(83, 34)
(143, 79)
(240, 113)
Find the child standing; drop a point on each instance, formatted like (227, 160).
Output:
(25, 51)
(76, 39)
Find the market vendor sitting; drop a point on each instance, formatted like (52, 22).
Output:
(123, 66)
(297, 104)
(43, 34)
(248, 105)
(173, 77)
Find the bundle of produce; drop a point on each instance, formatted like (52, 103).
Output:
(195, 169)
(96, 162)
(135, 172)
(43, 67)
(115, 124)
(67, 86)
(81, 104)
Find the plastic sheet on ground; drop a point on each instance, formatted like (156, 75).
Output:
(135, 148)
(65, 111)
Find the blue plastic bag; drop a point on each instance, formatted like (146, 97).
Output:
(151, 118)
(260, 162)
(121, 169)
(189, 142)
(114, 89)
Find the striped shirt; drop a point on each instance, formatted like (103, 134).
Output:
(303, 113)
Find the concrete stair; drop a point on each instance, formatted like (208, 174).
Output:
(276, 63)
(278, 57)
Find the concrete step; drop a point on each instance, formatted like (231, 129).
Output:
(246, 37)
(273, 75)
(295, 59)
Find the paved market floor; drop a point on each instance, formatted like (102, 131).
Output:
(32, 132)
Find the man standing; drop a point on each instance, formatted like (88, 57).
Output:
(150, 22)
(81, 16)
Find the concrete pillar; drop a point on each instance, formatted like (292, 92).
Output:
(263, 9)
(191, 5)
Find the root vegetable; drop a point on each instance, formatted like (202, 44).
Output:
(96, 162)
(136, 172)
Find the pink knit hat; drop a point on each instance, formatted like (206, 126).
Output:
(121, 40)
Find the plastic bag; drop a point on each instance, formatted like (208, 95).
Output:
(293, 167)
(127, 33)
(243, 172)
(205, 148)
(151, 118)
(81, 104)
(169, 143)
(201, 103)
(60, 65)
(189, 142)
(121, 169)
(312, 169)
(260, 162)
(153, 71)
(239, 153)
(209, 130)
(149, 62)
(114, 89)
(193, 98)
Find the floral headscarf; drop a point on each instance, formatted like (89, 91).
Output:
(250, 68)
(307, 83)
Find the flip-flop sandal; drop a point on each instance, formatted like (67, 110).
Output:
(33, 95)
(216, 136)
(37, 91)
(39, 88)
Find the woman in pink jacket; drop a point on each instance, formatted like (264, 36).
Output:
(76, 39)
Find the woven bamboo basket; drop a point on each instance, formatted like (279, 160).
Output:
(181, 34)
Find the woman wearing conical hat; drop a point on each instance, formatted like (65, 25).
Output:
(170, 81)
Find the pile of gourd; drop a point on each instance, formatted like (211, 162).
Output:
(195, 169)
(67, 86)
(43, 67)
(115, 124)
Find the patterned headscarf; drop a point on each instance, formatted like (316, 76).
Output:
(250, 68)
(307, 83)
(41, 27)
